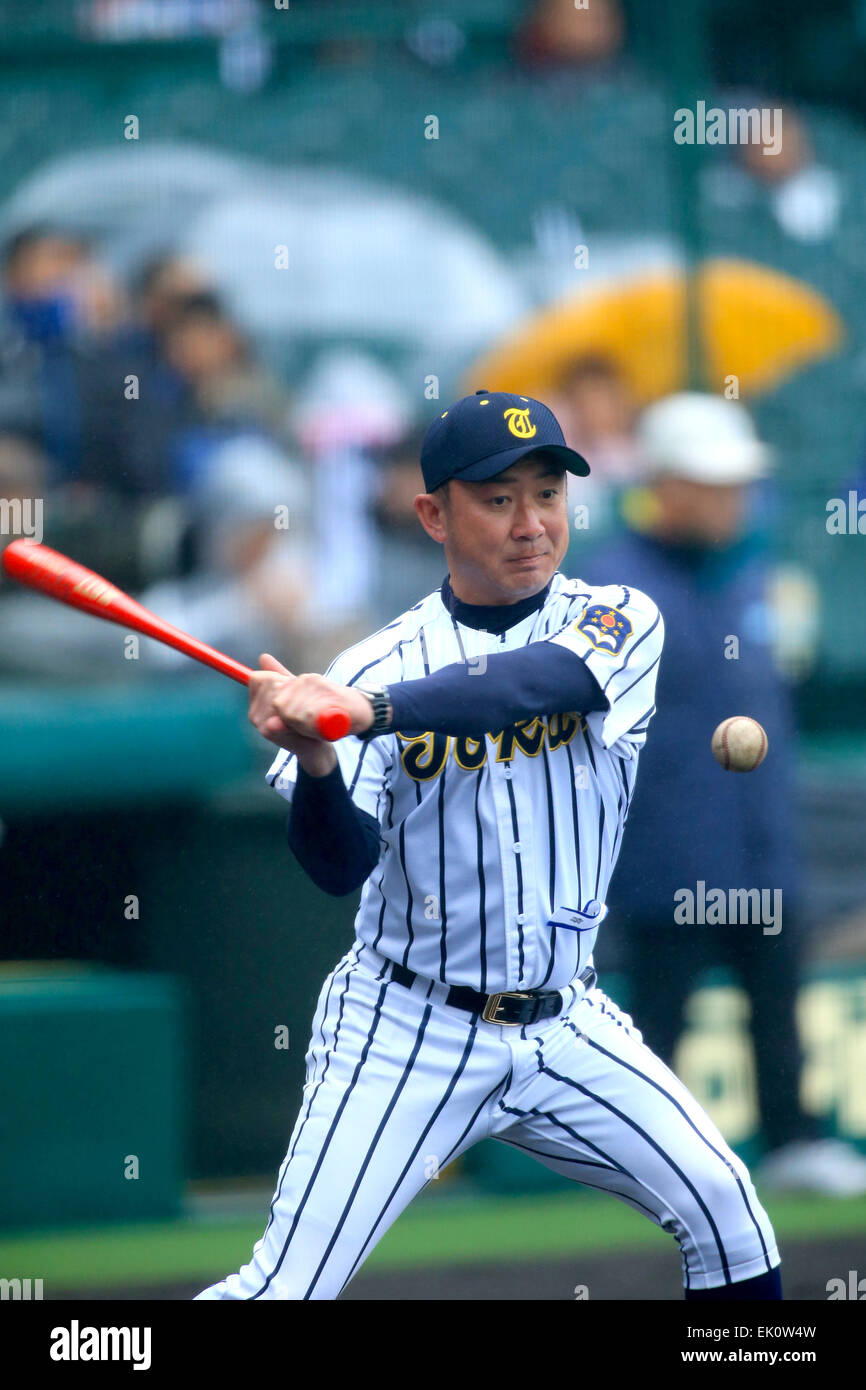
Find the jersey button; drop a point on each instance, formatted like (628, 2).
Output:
(517, 847)
(520, 918)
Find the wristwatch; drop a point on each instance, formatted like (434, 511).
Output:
(382, 712)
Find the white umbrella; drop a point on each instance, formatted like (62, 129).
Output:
(131, 198)
(364, 259)
(360, 260)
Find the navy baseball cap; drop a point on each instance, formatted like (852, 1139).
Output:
(484, 434)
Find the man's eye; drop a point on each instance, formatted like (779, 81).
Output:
(550, 492)
(497, 500)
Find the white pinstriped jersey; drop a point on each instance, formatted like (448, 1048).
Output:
(483, 842)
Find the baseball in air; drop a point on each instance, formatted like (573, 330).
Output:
(739, 744)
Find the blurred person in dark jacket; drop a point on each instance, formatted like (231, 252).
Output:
(219, 367)
(179, 382)
(55, 289)
(175, 384)
(59, 304)
(145, 403)
(694, 548)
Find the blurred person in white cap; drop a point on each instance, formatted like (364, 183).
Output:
(699, 453)
(350, 410)
(696, 539)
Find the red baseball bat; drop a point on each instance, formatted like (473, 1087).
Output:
(63, 579)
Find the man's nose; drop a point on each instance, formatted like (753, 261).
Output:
(527, 523)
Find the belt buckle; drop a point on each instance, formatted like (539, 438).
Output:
(494, 1003)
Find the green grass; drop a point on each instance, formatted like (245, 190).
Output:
(438, 1230)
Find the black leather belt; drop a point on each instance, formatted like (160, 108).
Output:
(509, 1008)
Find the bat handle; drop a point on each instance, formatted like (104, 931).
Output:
(333, 724)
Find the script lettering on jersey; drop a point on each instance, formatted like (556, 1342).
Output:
(424, 756)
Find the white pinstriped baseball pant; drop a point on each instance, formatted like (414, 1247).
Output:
(398, 1084)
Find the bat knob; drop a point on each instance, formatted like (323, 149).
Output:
(333, 724)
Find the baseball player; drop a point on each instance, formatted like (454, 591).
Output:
(479, 804)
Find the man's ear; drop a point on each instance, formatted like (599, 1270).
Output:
(431, 514)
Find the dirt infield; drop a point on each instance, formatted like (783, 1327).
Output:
(622, 1277)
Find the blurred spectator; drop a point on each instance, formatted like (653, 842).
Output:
(132, 433)
(159, 289)
(196, 385)
(690, 821)
(410, 563)
(557, 34)
(210, 355)
(597, 413)
(349, 409)
(58, 304)
(595, 407)
(23, 472)
(54, 289)
(38, 637)
(249, 591)
(804, 197)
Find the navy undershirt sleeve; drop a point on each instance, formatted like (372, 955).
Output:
(463, 700)
(334, 842)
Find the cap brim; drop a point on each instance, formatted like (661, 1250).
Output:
(719, 466)
(498, 463)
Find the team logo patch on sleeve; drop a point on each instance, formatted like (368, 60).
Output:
(606, 628)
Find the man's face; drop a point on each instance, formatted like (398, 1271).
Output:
(44, 268)
(200, 346)
(702, 512)
(505, 537)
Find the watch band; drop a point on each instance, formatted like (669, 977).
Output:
(382, 712)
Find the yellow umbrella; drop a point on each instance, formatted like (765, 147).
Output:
(757, 324)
